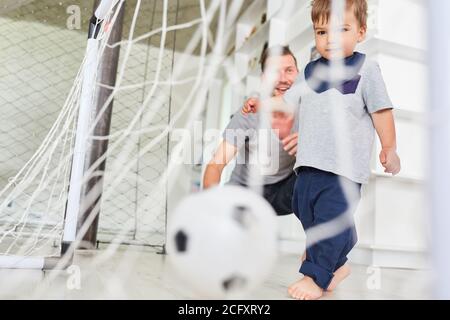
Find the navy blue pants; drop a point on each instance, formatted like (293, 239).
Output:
(279, 195)
(319, 198)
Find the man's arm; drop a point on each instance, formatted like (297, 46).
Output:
(223, 155)
(385, 126)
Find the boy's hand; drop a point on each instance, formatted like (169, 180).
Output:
(390, 161)
(251, 106)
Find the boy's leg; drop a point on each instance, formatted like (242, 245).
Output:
(353, 239)
(304, 289)
(331, 202)
(302, 210)
(342, 268)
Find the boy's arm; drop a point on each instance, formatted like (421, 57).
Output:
(224, 154)
(250, 106)
(385, 126)
(273, 104)
(276, 104)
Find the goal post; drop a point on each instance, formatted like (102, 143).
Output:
(85, 150)
(87, 105)
(107, 74)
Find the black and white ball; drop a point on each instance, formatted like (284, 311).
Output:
(223, 242)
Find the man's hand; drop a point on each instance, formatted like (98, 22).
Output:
(251, 106)
(390, 161)
(290, 144)
(282, 123)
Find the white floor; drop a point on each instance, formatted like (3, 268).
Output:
(136, 273)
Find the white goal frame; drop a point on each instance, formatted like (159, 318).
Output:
(89, 75)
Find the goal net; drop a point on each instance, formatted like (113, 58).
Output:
(48, 70)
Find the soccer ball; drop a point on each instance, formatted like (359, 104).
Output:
(223, 242)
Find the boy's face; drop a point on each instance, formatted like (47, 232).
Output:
(283, 71)
(341, 42)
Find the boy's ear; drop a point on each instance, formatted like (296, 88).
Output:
(362, 34)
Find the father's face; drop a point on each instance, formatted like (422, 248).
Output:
(283, 71)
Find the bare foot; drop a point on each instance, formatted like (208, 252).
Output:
(305, 289)
(340, 274)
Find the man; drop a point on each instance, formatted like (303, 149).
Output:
(241, 139)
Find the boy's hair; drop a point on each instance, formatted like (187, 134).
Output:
(275, 51)
(321, 10)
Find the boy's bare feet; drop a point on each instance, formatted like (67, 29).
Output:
(305, 289)
(340, 274)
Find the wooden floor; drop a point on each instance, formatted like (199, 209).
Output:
(136, 273)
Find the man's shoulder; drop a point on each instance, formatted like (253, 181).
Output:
(241, 121)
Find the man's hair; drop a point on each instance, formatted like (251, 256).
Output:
(321, 10)
(275, 51)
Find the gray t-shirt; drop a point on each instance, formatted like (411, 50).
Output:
(261, 159)
(336, 131)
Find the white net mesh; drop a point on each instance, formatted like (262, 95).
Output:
(33, 200)
(40, 75)
(167, 64)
